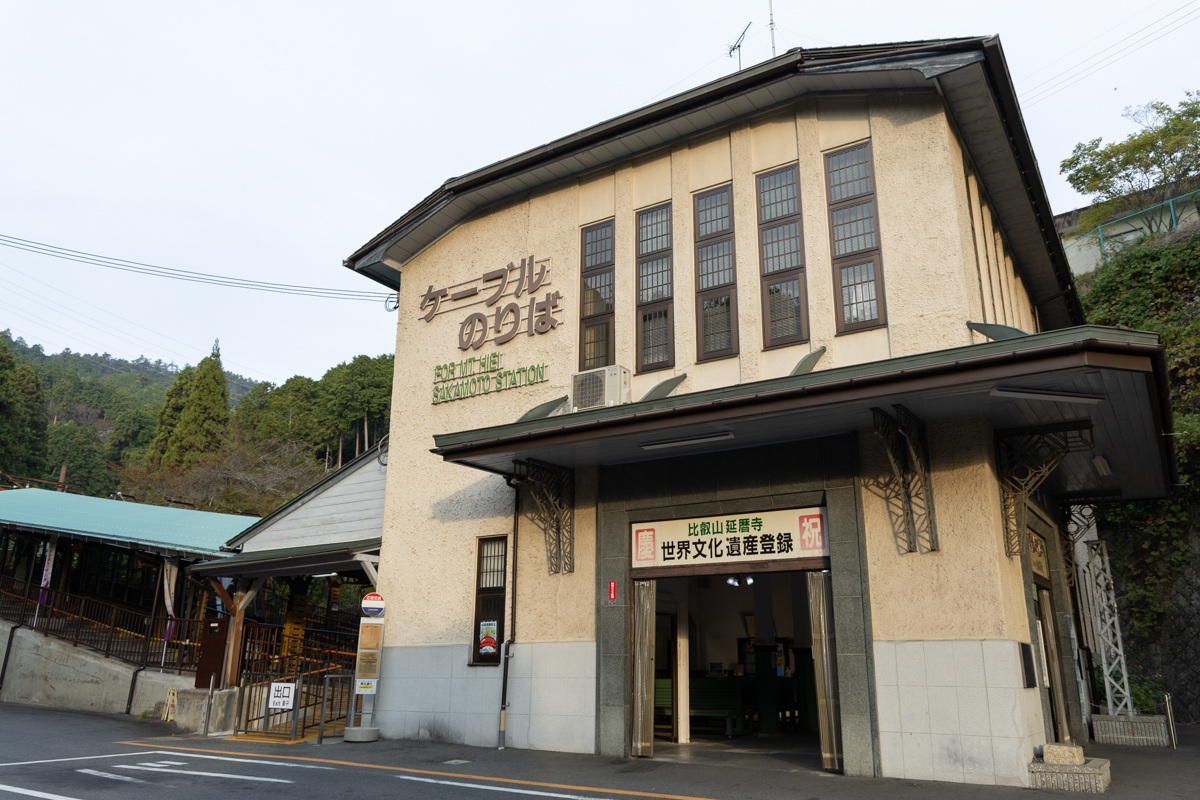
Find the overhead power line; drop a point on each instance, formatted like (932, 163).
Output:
(1111, 54)
(94, 259)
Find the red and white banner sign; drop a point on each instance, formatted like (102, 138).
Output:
(731, 539)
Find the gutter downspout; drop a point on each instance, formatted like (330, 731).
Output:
(132, 689)
(512, 619)
(7, 652)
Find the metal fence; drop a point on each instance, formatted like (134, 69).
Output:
(322, 700)
(267, 651)
(1112, 236)
(116, 631)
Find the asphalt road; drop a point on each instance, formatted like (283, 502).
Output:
(65, 755)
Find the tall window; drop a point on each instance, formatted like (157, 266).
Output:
(655, 322)
(781, 254)
(597, 343)
(716, 275)
(854, 239)
(490, 582)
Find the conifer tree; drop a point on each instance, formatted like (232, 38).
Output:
(22, 418)
(168, 417)
(204, 419)
(33, 401)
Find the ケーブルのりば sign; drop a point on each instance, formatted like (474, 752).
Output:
(525, 312)
(731, 539)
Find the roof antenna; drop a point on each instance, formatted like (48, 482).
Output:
(737, 46)
(771, 7)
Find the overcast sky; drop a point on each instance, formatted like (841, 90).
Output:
(270, 140)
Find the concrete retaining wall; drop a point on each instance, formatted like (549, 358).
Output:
(46, 671)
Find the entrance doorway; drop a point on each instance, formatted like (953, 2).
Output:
(1053, 666)
(736, 669)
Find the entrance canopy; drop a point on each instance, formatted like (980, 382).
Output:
(1113, 380)
(316, 559)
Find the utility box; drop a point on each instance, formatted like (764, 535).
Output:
(599, 388)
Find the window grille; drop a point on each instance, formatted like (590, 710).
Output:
(854, 239)
(716, 275)
(655, 272)
(849, 173)
(596, 317)
(781, 258)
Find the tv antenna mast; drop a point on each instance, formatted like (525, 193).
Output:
(737, 46)
(771, 7)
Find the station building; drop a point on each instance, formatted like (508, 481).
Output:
(762, 410)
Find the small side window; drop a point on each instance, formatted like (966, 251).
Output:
(490, 583)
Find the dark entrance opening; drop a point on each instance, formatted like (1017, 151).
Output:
(735, 682)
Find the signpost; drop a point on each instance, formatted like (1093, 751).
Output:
(366, 670)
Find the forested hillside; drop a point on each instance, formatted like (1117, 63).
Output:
(197, 437)
(1154, 546)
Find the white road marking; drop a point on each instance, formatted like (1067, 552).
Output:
(164, 764)
(77, 758)
(165, 753)
(203, 774)
(250, 761)
(32, 793)
(109, 775)
(497, 788)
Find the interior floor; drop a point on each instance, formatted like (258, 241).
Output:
(783, 752)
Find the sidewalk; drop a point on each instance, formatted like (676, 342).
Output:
(1138, 772)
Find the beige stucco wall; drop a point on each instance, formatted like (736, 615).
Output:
(944, 261)
(436, 511)
(912, 594)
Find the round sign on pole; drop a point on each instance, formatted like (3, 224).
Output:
(372, 604)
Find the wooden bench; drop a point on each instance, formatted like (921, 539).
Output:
(716, 698)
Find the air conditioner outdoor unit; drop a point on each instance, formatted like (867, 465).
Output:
(598, 388)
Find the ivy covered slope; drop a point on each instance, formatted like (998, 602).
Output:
(1154, 546)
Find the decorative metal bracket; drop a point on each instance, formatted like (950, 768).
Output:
(553, 491)
(912, 487)
(1081, 520)
(1024, 458)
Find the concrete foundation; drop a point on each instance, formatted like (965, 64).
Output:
(360, 735)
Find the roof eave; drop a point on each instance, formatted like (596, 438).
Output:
(672, 106)
(308, 494)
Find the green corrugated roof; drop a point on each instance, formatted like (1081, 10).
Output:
(178, 530)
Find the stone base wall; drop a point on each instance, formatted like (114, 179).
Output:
(956, 711)
(429, 693)
(1143, 730)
